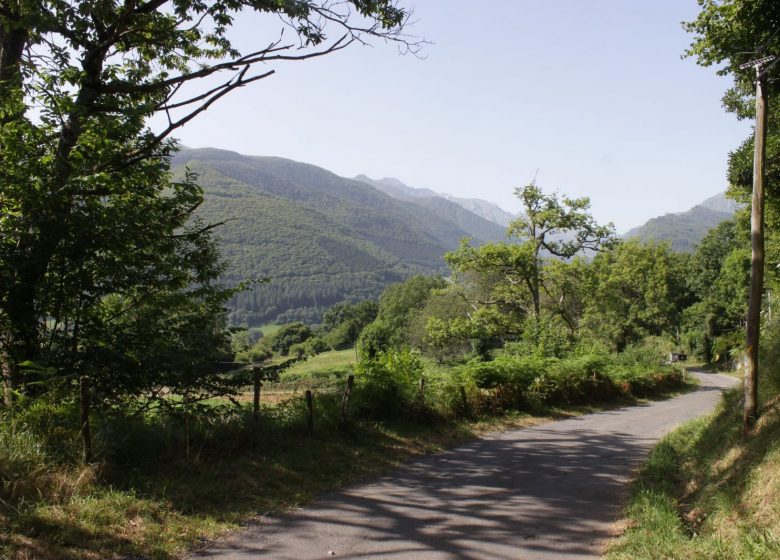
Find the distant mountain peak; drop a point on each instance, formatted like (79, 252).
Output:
(397, 189)
(684, 230)
(720, 203)
(392, 181)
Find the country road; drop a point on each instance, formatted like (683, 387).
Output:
(541, 493)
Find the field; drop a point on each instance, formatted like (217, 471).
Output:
(332, 361)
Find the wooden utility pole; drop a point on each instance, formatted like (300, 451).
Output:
(750, 412)
(84, 405)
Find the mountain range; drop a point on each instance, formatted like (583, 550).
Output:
(685, 229)
(483, 208)
(320, 238)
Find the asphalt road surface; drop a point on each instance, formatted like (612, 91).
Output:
(541, 493)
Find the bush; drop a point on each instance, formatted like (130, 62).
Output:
(284, 338)
(506, 369)
(545, 337)
(387, 386)
(315, 345)
(726, 348)
(374, 340)
(511, 381)
(650, 352)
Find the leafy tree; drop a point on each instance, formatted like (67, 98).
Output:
(399, 304)
(342, 323)
(288, 335)
(430, 329)
(638, 289)
(560, 228)
(374, 339)
(496, 274)
(707, 261)
(565, 291)
(520, 277)
(719, 280)
(90, 214)
(722, 311)
(729, 33)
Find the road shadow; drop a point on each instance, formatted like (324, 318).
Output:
(546, 490)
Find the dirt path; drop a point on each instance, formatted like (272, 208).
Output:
(539, 493)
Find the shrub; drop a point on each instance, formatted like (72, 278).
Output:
(315, 345)
(387, 386)
(726, 347)
(373, 340)
(546, 336)
(651, 352)
(512, 381)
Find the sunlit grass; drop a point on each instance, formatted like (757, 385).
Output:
(333, 360)
(708, 493)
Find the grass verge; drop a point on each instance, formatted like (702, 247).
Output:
(95, 513)
(708, 493)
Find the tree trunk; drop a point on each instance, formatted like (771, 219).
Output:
(84, 402)
(535, 289)
(12, 43)
(750, 412)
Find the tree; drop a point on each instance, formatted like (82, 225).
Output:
(718, 279)
(513, 274)
(342, 323)
(560, 228)
(710, 254)
(732, 33)
(399, 304)
(90, 216)
(635, 290)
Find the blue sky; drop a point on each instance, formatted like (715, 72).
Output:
(594, 95)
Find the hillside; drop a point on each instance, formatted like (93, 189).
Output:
(482, 208)
(685, 229)
(321, 238)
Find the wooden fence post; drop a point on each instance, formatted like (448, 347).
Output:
(256, 397)
(345, 402)
(422, 390)
(464, 401)
(84, 404)
(309, 414)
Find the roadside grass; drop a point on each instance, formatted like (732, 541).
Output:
(162, 511)
(147, 498)
(707, 493)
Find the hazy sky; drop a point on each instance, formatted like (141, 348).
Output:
(593, 94)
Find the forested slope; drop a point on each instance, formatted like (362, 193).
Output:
(685, 229)
(320, 238)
